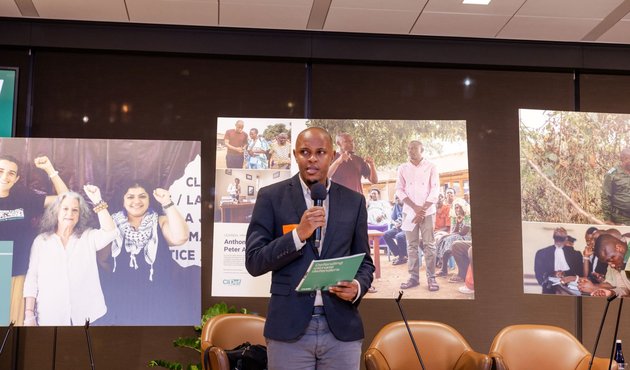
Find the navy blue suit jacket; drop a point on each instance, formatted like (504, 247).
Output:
(268, 248)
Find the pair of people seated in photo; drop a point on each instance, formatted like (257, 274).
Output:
(598, 271)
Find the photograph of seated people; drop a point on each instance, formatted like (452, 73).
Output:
(558, 266)
(462, 253)
(378, 210)
(612, 247)
(460, 229)
(395, 236)
(62, 285)
(443, 211)
(142, 272)
(20, 208)
(594, 269)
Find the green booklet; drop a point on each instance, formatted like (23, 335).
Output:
(323, 273)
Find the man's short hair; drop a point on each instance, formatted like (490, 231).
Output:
(10, 158)
(339, 136)
(602, 239)
(591, 230)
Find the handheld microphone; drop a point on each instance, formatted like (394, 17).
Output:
(318, 194)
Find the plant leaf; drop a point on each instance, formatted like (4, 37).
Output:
(188, 342)
(165, 364)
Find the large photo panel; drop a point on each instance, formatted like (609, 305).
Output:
(252, 153)
(575, 201)
(104, 230)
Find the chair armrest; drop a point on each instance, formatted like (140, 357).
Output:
(374, 360)
(470, 360)
(497, 359)
(599, 363)
(218, 359)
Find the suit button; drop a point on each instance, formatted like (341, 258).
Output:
(312, 294)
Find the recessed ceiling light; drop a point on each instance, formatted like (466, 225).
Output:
(477, 2)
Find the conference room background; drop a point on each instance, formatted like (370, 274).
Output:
(176, 81)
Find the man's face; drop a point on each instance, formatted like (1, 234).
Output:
(239, 126)
(560, 236)
(345, 143)
(590, 241)
(313, 153)
(253, 134)
(414, 150)
(373, 195)
(282, 139)
(8, 174)
(450, 196)
(612, 253)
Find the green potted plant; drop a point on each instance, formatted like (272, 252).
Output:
(194, 343)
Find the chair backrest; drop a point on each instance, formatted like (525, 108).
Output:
(439, 344)
(526, 347)
(229, 330)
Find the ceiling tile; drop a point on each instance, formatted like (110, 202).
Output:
(182, 12)
(496, 7)
(308, 3)
(369, 20)
(89, 10)
(547, 28)
(569, 8)
(619, 33)
(265, 14)
(404, 5)
(9, 9)
(461, 25)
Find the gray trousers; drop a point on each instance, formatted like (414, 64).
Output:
(424, 229)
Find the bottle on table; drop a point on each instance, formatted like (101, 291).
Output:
(619, 355)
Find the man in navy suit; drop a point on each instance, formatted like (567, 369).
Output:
(322, 329)
(557, 261)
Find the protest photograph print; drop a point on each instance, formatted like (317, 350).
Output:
(103, 230)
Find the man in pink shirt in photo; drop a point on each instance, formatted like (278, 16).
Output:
(418, 187)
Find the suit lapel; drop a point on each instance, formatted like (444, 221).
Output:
(334, 211)
(297, 196)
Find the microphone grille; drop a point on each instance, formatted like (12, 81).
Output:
(318, 191)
